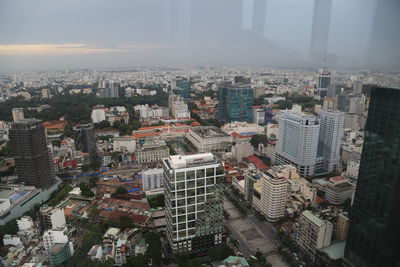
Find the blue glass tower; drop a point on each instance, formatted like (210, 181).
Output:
(182, 87)
(235, 101)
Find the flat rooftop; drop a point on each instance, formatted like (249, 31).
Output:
(313, 218)
(186, 161)
(209, 132)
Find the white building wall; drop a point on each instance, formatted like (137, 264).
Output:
(152, 179)
(25, 223)
(57, 218)
(298, 142)
(98, 115)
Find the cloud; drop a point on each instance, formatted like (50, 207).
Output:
(55, 49)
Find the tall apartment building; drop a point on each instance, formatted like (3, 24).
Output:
(270, 195)
(194, 202)
(110, 90)
(374, 238)
(298, 142)
(85, 140)
(18, 114)
(312, 233)
(329, 141)
(235, 102)
(32, 158)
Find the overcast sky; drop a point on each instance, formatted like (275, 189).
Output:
(59, 34)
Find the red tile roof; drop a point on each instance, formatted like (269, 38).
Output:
(258, 162)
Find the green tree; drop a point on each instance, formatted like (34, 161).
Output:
(5, 151)
(85, 190)
(121, 190)
(257, 139)
(102, 125)
(124, 222)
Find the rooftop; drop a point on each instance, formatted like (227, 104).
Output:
(313, 218)
(186, 161)
(335, 251)
(209, 132)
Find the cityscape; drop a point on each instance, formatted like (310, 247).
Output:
(190, 165)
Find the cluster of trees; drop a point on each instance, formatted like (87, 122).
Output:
(260, 260)
(76, 108)
(302, 100)
(153, 252)
(59, 195)
(156, 201)
(85, 190)
(5, 151)
(93, 237)
(257, 139)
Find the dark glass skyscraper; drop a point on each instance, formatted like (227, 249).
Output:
(31, 155)
(374, 234)
(235, 101)
(85, 141)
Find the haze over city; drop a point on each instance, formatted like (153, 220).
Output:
(47, 34)
(199, 133)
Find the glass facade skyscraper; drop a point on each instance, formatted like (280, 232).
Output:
(374, 233)
(181, 87)
(235, 101)
(193, 186)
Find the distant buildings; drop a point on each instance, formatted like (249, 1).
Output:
(194, 202)
(181, 86)
(31, 155)
(154, 112)
(109, 90)
(18, 114)
(85, 140)
(373, 238)
(235, 101)
(209, 138)
(112, 114)
(178, 108)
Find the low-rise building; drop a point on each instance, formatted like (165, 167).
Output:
(152, 151)
(124, 144)
(338, 190)
(208, 139)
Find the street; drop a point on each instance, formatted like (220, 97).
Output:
(253, 235)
